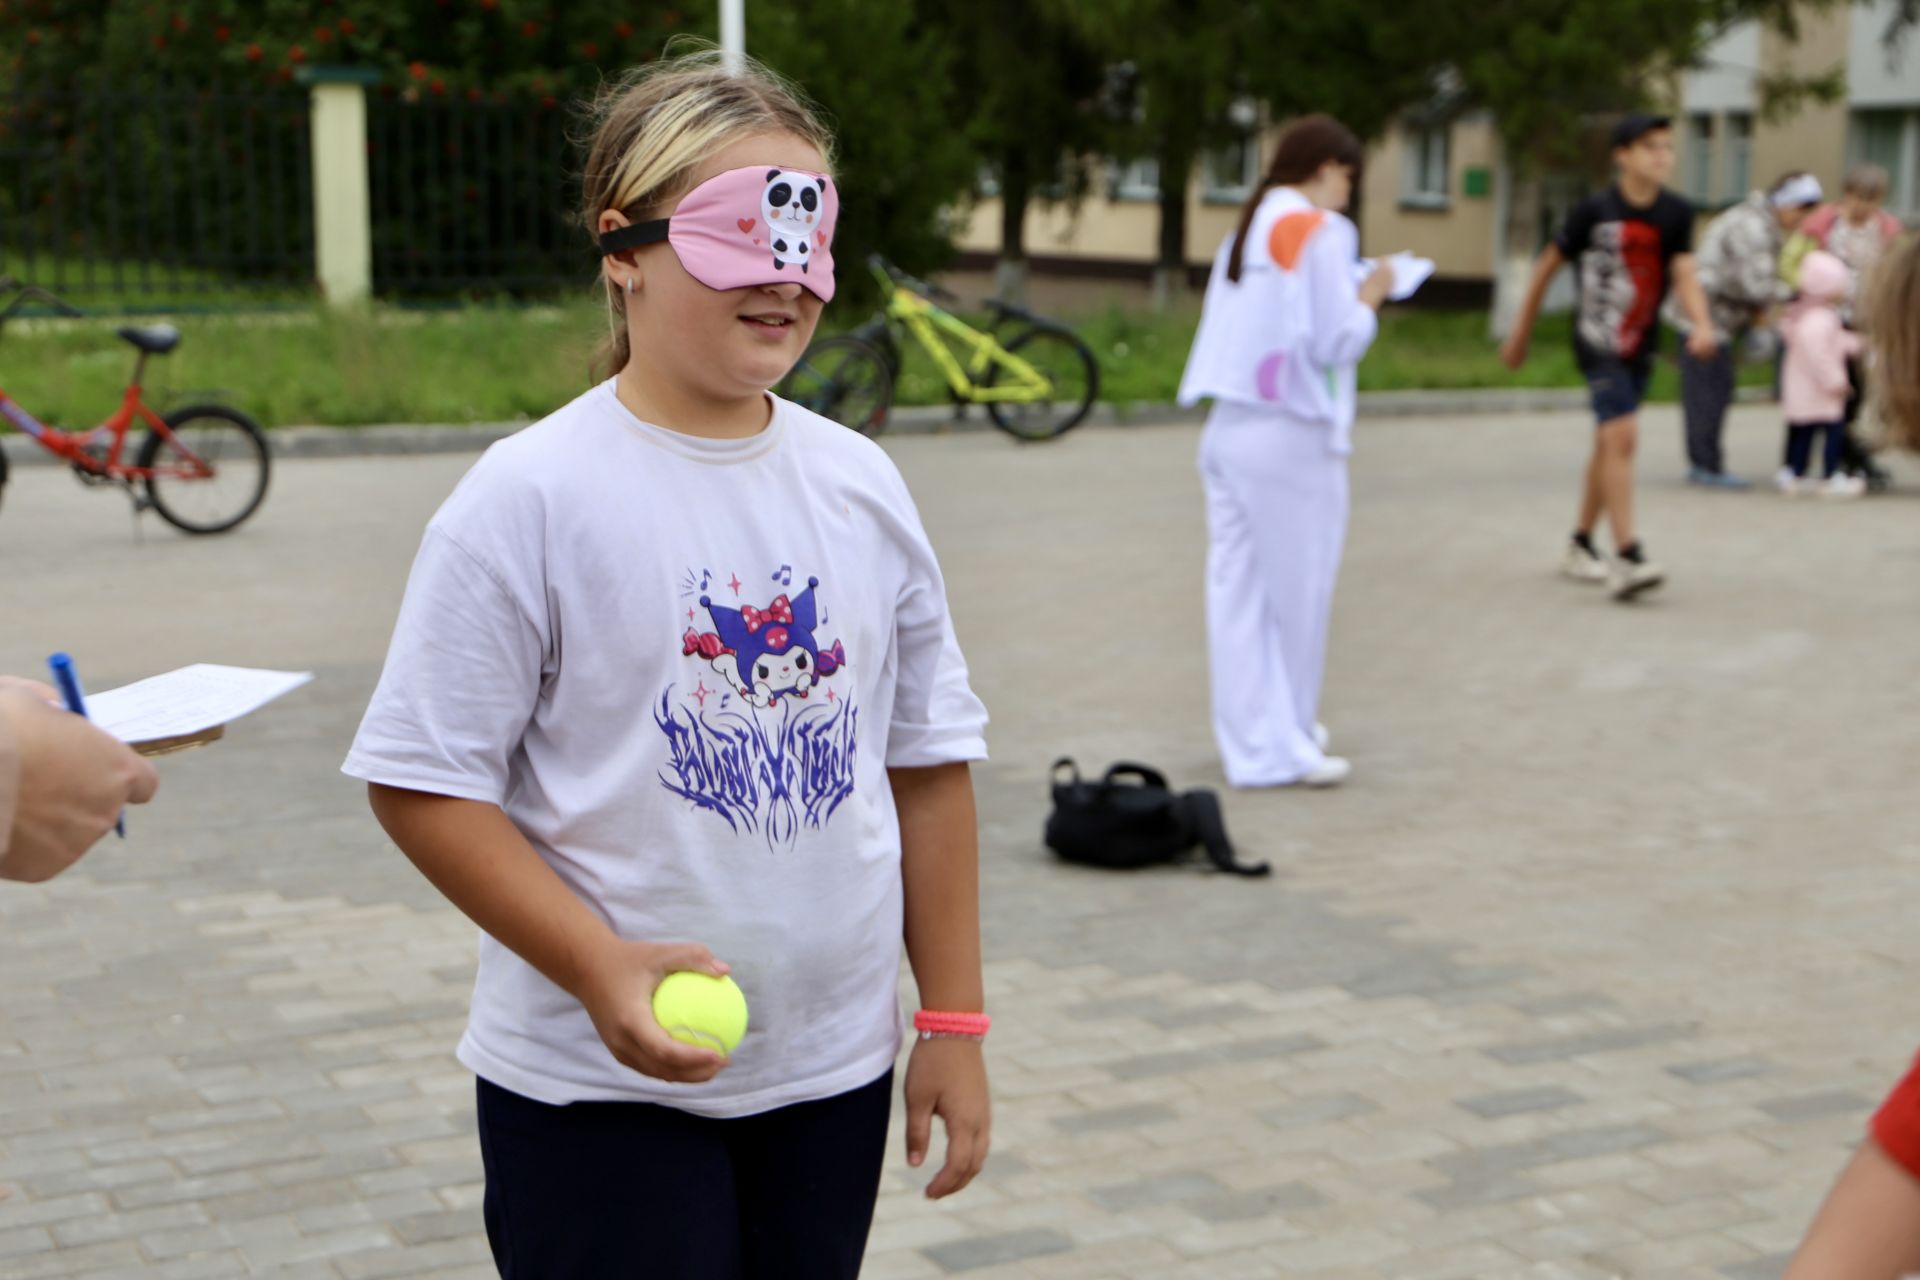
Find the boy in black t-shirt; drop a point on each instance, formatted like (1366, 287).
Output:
(1627, 244)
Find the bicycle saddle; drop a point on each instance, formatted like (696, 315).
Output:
(154, 339)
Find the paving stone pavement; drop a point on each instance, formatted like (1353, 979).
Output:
(1595, 970)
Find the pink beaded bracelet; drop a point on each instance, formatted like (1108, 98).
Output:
(951, 1026)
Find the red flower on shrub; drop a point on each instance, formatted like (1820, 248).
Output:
(346, 26)
(296, 54)
(547, 102)
(179, 22)
(437, 87)
(222, 34)
(623, 29)
(529, 28)
(589, 50)
(322, 35)
(159, 42)
(418, 70)
(254, 53)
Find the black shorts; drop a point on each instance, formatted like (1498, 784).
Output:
(600, 1189)
(1615, 386)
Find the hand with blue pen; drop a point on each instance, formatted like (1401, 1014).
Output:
(63, 783)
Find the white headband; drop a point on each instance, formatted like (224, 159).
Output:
(1798, 190)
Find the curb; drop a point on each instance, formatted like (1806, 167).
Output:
(400, 439)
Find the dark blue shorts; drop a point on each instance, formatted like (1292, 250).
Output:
(1615, 386)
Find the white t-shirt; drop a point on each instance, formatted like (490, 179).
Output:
(1287, 336)
(683, 667)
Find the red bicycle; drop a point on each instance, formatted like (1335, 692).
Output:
(204, 468)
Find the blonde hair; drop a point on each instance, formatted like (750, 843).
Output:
(1893, 326)
(651, 128)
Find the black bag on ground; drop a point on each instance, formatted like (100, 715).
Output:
(1131, 818)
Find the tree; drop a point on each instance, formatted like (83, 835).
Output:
(1026, 83)
(1186, 64)
(1177, 67)
(880, 80)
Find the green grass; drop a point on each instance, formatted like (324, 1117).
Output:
(492, 364)
(477, 364)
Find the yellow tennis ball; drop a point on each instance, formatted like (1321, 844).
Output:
(701, 1010)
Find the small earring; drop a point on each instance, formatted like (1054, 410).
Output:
(629, 286)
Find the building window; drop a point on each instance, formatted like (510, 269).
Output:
(1697, 162)
(1228, 174)
(1736, 175)
(1137, 180)
(1424, 173)
(1890, 139)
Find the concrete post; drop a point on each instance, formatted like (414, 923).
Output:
(342, 213)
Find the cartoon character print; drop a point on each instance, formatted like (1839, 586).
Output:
(790, 205)
(768, 654)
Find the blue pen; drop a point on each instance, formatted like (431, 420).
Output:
(68, 681)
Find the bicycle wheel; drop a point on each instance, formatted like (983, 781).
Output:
(211, 474)
(1068, 364)
(844, 379)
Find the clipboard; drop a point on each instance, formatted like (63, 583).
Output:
(179, 742)
(189, 708)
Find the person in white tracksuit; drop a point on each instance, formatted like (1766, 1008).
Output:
(1284, 324)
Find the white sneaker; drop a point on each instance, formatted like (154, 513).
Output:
(1330, 772)
(1842, 485)
(1793, 486)
(1322, 736)
(1634, 577)
(1583, 565)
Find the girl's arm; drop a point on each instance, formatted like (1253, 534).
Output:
(1341, 323)
(940, 868)
(473, 853)
(1869, 1228)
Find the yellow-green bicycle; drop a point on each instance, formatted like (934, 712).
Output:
(1037, 385)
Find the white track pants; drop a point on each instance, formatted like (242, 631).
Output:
(1277, 520)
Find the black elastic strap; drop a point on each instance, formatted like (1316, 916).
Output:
(633, 236)
(1203, 812)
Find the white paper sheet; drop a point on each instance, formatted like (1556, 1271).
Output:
(1409, 273)
(190, 700)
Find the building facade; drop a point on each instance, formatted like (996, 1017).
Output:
(1440, 187)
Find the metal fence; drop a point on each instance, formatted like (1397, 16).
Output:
(140, 196)
(156, 194)
(472, 197)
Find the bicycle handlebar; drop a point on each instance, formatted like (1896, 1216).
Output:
(25, 293)
(881, 266)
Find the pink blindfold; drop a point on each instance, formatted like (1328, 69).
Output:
(748, 227)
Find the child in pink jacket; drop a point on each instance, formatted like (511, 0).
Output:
(1813, 384)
